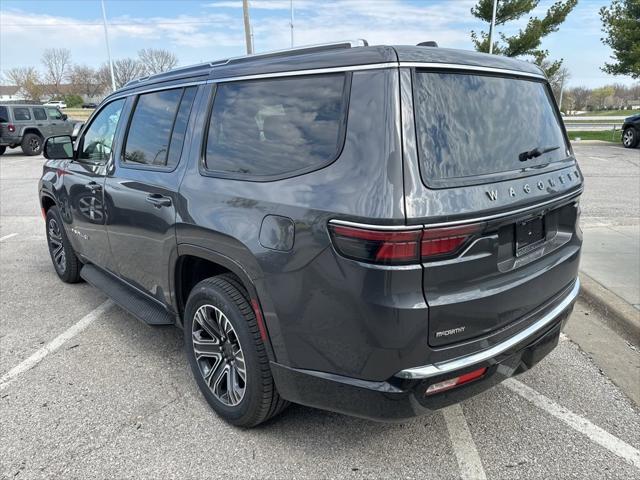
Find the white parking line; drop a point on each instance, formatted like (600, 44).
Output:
(463, 444)
(581, 424)
(53, 345)
(6, 237)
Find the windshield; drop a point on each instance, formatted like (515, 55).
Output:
(473, 128)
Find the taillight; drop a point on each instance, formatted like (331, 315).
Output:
(11, 128)
(445, 241)
(376, 246)
(393, 247)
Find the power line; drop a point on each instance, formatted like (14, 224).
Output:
(92, 24)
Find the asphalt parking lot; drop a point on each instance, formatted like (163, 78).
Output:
(87, 391)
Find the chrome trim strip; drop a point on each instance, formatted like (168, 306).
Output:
(506, 214)
(475, 68)
(155, 89)
(457, 222)
(435, 369)
(313, 71)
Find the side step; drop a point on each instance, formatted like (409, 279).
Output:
(136, 303)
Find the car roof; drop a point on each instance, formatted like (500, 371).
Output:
(334, 55)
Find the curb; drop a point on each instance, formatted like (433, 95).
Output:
(614, 308)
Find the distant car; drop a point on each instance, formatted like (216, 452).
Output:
(631, 131)
(29, 125)
(89, 105)
(56, 103)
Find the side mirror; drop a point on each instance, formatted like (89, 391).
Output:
(58, 148)
(65, 116)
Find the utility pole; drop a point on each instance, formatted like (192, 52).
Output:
(562, 88)
(106, 37)
(493, 25)
(247, 27)
(291, 23)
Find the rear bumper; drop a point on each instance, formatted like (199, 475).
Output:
(403, 396)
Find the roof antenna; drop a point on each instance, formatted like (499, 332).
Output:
(430, 43)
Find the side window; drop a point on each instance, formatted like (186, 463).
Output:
(149, 138)
(278, 126)
(54, 113)
(21, 113)
(4, 114)
(38, 114)
(96, 144)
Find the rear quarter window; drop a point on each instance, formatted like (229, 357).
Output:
(21, 114)
(4, 114)
(274, 128)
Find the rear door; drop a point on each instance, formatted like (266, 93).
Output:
(494, 180)
(41, 121)
(142, 189)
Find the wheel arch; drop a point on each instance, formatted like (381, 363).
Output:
(193, 264)
(46, 202)
(32, 130)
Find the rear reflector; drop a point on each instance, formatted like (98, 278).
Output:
(455, 382)
(393, 247)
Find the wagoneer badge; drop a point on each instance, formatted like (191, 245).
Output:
(540, 185)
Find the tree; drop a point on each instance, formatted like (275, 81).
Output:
(124, 70)
(580, 97)
(156, 60)
(528, 40)
(86, 81)
(600, 95)
(57, 62)
(27, 80)
(621, 24)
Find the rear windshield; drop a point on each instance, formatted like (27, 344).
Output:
(473, 128)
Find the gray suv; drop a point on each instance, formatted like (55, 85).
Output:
(375, 230)
(28, 126)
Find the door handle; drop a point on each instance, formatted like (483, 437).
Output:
(158, 200)
(93, 186)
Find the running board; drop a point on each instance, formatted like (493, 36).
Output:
(134, 302)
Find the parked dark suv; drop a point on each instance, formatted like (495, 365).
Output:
(379, 231)
(631, 131)
(28, 126)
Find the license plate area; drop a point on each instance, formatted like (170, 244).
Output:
(530, 234)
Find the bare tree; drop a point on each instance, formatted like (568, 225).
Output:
(86, 81)
(27, 79)
(580, 97)
(156, 60)
(57, 62)
(124, 70)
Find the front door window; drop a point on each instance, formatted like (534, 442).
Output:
(97, 142)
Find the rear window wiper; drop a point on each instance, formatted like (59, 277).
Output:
(536, 152)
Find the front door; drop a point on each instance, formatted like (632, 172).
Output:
(143, 189)
(56, 123)
(85, 207)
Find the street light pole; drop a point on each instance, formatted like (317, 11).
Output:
(493, 25)
(291, 23)
(247, 27)
(106, 37)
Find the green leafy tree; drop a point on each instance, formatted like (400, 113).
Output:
(621, 24)
(527, 42)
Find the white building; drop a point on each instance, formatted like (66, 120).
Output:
(9, 93)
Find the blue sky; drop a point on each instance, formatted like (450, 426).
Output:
(206, 30)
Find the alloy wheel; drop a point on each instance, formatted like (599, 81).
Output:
(56, 246)
(627, 137)
(219, 355)
(34, 144)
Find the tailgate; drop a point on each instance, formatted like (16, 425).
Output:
(499, 277)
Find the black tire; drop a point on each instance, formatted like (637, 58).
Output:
(32, 144)
(260, 399)
(630, 137)
(65, 261)
(3, 149)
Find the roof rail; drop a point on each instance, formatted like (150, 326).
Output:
(274, 53)
(295, 51)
